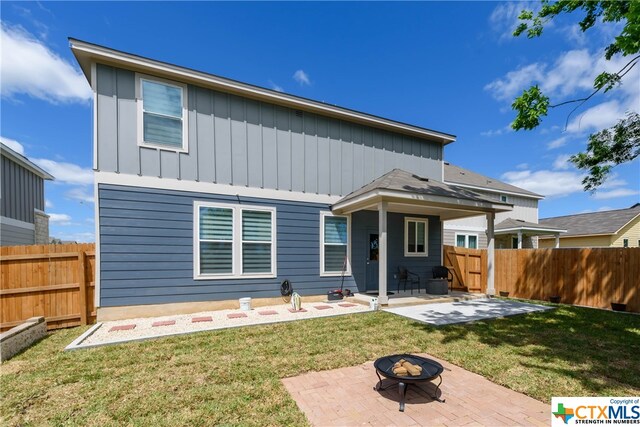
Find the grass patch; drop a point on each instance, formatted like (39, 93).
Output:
(232, 377)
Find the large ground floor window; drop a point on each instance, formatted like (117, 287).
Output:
(233, 241)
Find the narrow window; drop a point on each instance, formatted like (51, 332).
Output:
(256, 241)
(625, 243)
(503, 198)
(216, 240)
(473, 242)
(416, 238)
(162, 114)
(461, 241)
(335, 244)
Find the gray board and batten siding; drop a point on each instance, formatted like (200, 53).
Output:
(240, 141)
(147, 248)
(22, 192)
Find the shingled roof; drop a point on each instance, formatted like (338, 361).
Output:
(586, 224)
(400, 180)
(511, 224)
(456, 175)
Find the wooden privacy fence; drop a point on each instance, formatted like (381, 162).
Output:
(469, 267)
(54, 281)
(593, 277)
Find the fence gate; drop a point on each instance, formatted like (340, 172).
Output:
(469, 268)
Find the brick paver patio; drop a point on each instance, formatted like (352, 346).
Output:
(345, 397)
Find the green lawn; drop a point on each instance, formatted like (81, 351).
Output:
(232, 377)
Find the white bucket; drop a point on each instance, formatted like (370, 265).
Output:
(373, 304)
(245, 304)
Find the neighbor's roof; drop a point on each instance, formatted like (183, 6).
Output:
(24, 162)
(402, 181)
(457, 175)
(594, 223)
(86, 53)
(510, 224)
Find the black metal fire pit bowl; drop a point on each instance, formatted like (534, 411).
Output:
(430, 371)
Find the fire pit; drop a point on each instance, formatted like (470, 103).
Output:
(430, 371)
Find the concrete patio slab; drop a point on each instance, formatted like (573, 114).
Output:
(346, 397)
(465, 311)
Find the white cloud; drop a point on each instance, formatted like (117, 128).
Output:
(302, 78)
(59, 219)
(29, 67)
(13, 144)
(48, 204)
(562, 162)
(504, 18)
(546, 182)
(598, 117)
(557, 143)
(80, 194)
(574, 71)
(613, 194)
(514, 82)
(67, 173)
(522, 166)
(497, 132)
(600, 209)
(275, 86)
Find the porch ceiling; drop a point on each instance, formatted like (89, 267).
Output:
(405, 192)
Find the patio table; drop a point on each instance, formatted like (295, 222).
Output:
(430, 371)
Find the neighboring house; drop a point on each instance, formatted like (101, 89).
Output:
(22, 217)
(515, 229)
(615, 228)
(208, 189)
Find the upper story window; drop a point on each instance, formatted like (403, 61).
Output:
(234, 241)
(334, 244)
(162, 114)
(416, 236)
(504, 198)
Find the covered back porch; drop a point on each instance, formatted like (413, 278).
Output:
(397, 222)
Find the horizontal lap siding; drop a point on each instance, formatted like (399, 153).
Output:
(10, 235)
(146, 249)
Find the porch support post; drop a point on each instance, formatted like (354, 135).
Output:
(491, 290)
(382, 253)
(519, 239)
(557, 241)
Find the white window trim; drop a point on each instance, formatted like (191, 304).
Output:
(506, 198)
(407, 219)
(323, 273)
(140, 116)
(236, 243)
(466, 239)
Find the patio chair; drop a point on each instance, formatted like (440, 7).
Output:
(442, 272)
(405, 276)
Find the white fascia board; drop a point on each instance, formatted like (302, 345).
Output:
(209, 187)
(627, 223)
(440, 201)
(579, 235)
(493, 190)
(92, 52)
(525, 229)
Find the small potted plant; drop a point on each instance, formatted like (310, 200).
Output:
(555, 299)
(618, 306)
(504, 293)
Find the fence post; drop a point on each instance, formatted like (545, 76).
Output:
(82, 281)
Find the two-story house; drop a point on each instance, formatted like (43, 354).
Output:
(22, 217)
(516, 229)
(209, 189)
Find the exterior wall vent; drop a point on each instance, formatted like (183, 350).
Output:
(298, 113)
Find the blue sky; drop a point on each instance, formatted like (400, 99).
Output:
(448, 66)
